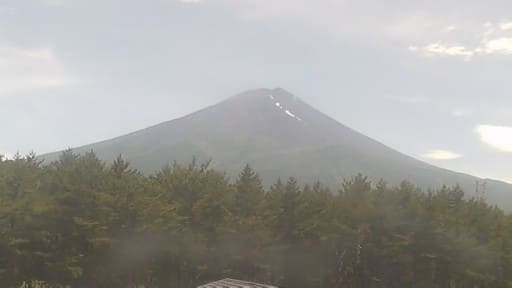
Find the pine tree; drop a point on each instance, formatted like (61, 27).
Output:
(249, 193)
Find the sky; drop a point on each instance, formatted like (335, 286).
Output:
(428, 78)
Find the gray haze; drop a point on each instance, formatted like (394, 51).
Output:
(428, 78)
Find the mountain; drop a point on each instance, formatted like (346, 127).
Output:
(280, 136)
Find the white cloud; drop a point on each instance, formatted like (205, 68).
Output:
(449, 50)
(352, 20)
(506, 26)
(493, 39)
(442, 155)
(498, 137)
(27, 69)
(500, 45)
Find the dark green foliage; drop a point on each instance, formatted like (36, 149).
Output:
(79, 222)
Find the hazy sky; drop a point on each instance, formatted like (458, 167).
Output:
(431, 79)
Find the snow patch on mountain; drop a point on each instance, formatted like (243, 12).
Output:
(292, 115)
(288, 112)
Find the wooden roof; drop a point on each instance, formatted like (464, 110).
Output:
(232, 283)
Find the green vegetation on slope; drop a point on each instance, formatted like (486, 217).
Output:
(79, 222)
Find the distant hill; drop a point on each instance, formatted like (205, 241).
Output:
(280, 136)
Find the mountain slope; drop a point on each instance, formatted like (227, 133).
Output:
(280, 136)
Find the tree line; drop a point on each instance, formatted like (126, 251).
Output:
(79, 222)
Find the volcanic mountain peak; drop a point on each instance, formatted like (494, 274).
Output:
(280, 136)
(278, 99)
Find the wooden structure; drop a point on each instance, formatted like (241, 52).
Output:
(232, 283)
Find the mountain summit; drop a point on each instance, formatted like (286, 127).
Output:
(280, 136)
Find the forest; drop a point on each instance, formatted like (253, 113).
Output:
(79, 222)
